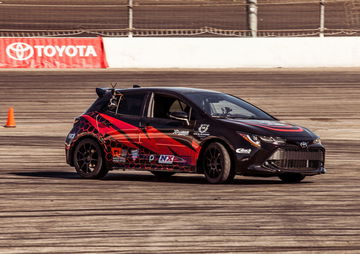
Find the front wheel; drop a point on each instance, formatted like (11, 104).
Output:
(88, 159)
(217, 164)
(292, 178)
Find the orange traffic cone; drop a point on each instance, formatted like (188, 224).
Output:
(11, 119)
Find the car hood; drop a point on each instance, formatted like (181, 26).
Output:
(271, 128)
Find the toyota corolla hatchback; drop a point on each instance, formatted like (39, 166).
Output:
(184, 130)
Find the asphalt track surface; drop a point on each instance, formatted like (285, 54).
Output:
(46, 208)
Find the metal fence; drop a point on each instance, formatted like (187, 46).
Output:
(195, 18)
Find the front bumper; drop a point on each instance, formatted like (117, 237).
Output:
(67, 155)
(262, 170)
(286, 159)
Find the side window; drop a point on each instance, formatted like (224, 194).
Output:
(164, 105)
(178, 106)
(128, 104)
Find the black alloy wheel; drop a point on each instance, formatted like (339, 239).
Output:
(217, 164)
(88, 159)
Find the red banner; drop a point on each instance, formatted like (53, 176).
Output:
(52, 53)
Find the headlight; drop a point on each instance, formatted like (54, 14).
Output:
(255, 140)
(252, 139)
(317, 141)
(273, 140)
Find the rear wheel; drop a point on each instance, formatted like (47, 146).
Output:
(88, 159)
(217, 164)
(162, 174)
(292, 178)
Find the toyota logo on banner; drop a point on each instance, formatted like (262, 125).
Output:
(19, 51)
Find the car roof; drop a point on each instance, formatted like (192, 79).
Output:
(179, 90)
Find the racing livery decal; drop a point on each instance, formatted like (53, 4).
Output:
(166, 159)
(271, 125)
(114, 131)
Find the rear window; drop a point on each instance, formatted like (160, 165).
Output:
(100, 104)
(128, 104)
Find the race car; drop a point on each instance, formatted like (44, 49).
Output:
(168, 130)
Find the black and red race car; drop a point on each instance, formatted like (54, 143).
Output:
(171, 130)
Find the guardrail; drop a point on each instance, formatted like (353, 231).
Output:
(185, 18)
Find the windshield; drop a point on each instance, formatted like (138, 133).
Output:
(222, 105)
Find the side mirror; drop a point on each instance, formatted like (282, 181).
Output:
(180, 115)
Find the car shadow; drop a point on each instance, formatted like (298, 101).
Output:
(178, 179)
(48, 174)
(147, 177)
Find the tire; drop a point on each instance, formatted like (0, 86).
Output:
(162, 174)
(291, 178)
(217, 164)
(88, 159)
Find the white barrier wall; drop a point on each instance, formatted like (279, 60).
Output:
(232, 52)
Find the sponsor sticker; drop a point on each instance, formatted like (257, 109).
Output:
(116, 151)
(166, 159)
(151, 157)
(243, 151)
(180, 160)
(119, 154)
(71, 135)
(118, 159)
(181, 133)
(134, 154)
(202, 130)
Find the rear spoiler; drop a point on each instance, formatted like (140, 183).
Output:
(101, 91)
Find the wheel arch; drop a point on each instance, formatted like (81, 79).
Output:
(77, 141)
(206, 143)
